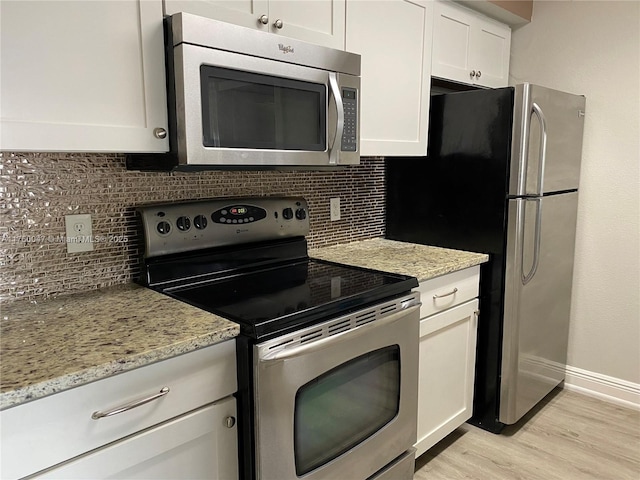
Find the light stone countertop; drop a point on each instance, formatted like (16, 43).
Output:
(421, 261)
(52, 345)
(56, 344)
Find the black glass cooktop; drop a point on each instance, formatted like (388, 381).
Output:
(281, 298)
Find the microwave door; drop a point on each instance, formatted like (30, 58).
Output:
(238, 110)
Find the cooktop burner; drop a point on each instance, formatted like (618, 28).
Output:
(249, 264)
(286, 297)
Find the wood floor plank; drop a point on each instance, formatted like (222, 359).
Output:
(568, 436)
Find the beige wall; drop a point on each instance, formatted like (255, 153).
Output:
(593, 48)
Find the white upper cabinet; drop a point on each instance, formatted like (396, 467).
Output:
(82, 76)
(315, 21)
(394, 39)
(469, 47)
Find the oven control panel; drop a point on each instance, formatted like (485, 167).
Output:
(186, 226)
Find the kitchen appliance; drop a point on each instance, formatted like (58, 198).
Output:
(501, 177)
(327, 356)
(241, 98)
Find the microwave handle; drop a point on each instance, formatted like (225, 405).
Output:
(335, 145)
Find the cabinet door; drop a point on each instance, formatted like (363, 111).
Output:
(321, 22)
(491, 44)
(246, 13)
(446, 373)
(202, 444)
(452, 39)
(394, 39)
(469, 47)
(82, 76)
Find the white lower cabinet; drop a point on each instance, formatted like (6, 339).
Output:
(447, 355)
(173, 419)
(195, 446)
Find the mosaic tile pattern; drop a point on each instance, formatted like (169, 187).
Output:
(38, 189)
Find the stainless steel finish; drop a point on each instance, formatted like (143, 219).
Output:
(263, 19)
(472, 74)
(478, 74)
(217, 35)
(215, 234)
(401, 468)
(229, 422)
(160, 133)
(543, 146)
(275, 400)
(452, 292)
(278, 24)
(346, 328)
(337, 98)
(563, 125)
(536, 314)
(130, 406)
(411, 303)
(526, 277)
(258, 54)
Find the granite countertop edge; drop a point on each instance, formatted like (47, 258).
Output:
(68, 381)
(421, 261)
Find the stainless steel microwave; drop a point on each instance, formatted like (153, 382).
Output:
(241, 98)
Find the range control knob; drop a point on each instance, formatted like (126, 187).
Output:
(200, 222)
(301, 214)
(287, 213)
(183, 223)
(163, 228)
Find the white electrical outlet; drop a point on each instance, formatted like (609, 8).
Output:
(334, 204)
(79, 233)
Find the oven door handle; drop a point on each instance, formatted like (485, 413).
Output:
(407, 309)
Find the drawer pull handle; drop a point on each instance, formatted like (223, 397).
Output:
(129, 406)
(452, 292)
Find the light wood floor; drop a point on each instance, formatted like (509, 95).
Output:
(568, 437)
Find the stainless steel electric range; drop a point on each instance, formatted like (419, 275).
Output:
(327, 356)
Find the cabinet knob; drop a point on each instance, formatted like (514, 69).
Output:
(478, 74)
(229, 422)
(160, 133)
(472, 74)
(278, 24)
(263, 19)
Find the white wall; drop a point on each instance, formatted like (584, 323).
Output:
(593, 48)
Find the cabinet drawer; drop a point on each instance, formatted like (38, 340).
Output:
(448, 290)
(51, 430)
(197, 445)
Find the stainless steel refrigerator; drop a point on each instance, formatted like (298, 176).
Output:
(501, 177)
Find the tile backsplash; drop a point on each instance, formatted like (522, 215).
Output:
(38, 189)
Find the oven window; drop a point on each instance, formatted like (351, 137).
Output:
(345, 406)
(248, 110)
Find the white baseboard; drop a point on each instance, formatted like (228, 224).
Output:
(610, 389)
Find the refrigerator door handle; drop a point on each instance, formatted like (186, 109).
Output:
(526, 278)
(543, 145)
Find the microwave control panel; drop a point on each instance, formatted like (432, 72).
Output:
(349, 135)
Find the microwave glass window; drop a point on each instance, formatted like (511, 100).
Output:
(248, 110)
(345, 406)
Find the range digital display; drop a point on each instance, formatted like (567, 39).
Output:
(238, 210)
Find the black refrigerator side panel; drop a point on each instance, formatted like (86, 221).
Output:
(455, 197)
(486, 388)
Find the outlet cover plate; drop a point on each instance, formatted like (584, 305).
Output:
(79, 233)
(334, 204)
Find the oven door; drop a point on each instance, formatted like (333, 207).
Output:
(241, 110)
(339, 399)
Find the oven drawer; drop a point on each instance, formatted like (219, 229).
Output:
(48, 431)
(449, 290)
